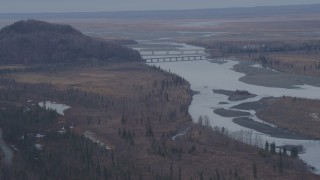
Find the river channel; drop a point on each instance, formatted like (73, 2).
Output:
(221, 74)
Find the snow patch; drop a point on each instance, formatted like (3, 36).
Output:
(91, 136)
(39, 135)
(59, 108)
(38, 146)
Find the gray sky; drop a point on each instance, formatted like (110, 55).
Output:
(121, 5)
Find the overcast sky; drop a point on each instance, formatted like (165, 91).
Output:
(124, 5)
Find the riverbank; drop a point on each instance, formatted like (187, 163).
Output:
(299, 115)
(242, 116)
(230, 113)
(270, 78)
(237, 95)
(267, 129)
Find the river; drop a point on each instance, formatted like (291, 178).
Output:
(206, 76)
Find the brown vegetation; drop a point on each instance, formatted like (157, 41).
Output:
(136, 116)
(305, 63)
(295, 114)
(299, 57)
(135, 110)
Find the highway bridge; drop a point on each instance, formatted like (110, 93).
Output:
(172, 55)
(157, 52)
(175, 58)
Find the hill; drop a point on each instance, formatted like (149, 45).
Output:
(37, 42)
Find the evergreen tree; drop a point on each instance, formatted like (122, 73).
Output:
(273, 148)
(254, 169)
(266, 146)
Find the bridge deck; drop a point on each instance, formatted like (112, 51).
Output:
(175, 58)
(150, 50)
(153, 52)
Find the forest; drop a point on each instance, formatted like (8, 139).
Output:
(36, 42)
(124, 120)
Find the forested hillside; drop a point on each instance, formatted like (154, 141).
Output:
(37, 42)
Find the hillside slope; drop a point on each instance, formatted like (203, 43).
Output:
(37, 42)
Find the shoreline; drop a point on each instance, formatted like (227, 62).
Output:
(269, 130)
(269, 78)
(230, 113)
(237, 95)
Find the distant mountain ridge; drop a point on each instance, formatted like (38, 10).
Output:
(37, 42)
(34, 26)
(259, 11)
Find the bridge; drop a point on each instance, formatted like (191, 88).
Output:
(157, 52)
(172, 55)
(175, 59)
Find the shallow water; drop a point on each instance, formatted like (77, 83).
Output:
(205, 76)
(59, 108)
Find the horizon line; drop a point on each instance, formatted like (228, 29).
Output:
(159, 10)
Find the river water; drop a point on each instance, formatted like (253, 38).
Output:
(204, 76)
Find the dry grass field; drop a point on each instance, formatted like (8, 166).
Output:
(306, 63)
(298, 62)
(118, 80)
(295, 114)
